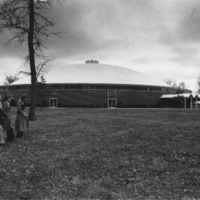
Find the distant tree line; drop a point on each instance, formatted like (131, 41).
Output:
(179, 87)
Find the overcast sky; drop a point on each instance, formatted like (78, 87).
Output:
(157, 37)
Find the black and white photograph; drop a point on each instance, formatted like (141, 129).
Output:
(99, 99)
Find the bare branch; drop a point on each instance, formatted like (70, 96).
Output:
(11, 78)
(25, 73)
(29, 24)
(42, 67)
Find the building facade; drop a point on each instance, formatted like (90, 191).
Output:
(92, 85)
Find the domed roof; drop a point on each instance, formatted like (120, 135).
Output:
(94, 73)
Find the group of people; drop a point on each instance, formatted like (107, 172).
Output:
(7, 131)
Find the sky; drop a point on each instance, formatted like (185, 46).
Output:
(160, 38)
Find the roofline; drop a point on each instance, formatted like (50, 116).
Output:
(88, 84)
(184, 95)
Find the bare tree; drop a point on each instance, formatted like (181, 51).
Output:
(42, 91)
(28, 23)
(179, 87)
(11, 78)
(182, 86)
(171, 83)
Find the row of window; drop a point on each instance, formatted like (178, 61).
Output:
(93, 87)
(15, 88)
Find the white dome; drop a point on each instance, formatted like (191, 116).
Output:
(94, 73)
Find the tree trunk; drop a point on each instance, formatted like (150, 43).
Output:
(32, 61)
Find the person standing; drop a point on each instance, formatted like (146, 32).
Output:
(2, 141)
(8, 125)
(2, 117)
(21, 119)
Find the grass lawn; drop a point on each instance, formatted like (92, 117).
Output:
(104, 154)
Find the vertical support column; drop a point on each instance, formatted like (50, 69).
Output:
(190, 102)
(115, 98)
(108, 94)
(196, 102)
(184, 102)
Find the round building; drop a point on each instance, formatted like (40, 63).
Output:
(92, 85)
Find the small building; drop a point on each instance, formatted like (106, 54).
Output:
(185, 100)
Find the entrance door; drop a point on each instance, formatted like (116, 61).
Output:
(112, 103)
(53, 102)
(112, 99)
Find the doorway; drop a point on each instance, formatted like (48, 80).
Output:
(53, 102)
(112, 99)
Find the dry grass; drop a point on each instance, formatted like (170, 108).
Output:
(104, 154)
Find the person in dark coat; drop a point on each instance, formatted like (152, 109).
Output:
(2, 119)
(8, 125)
(21, 119)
